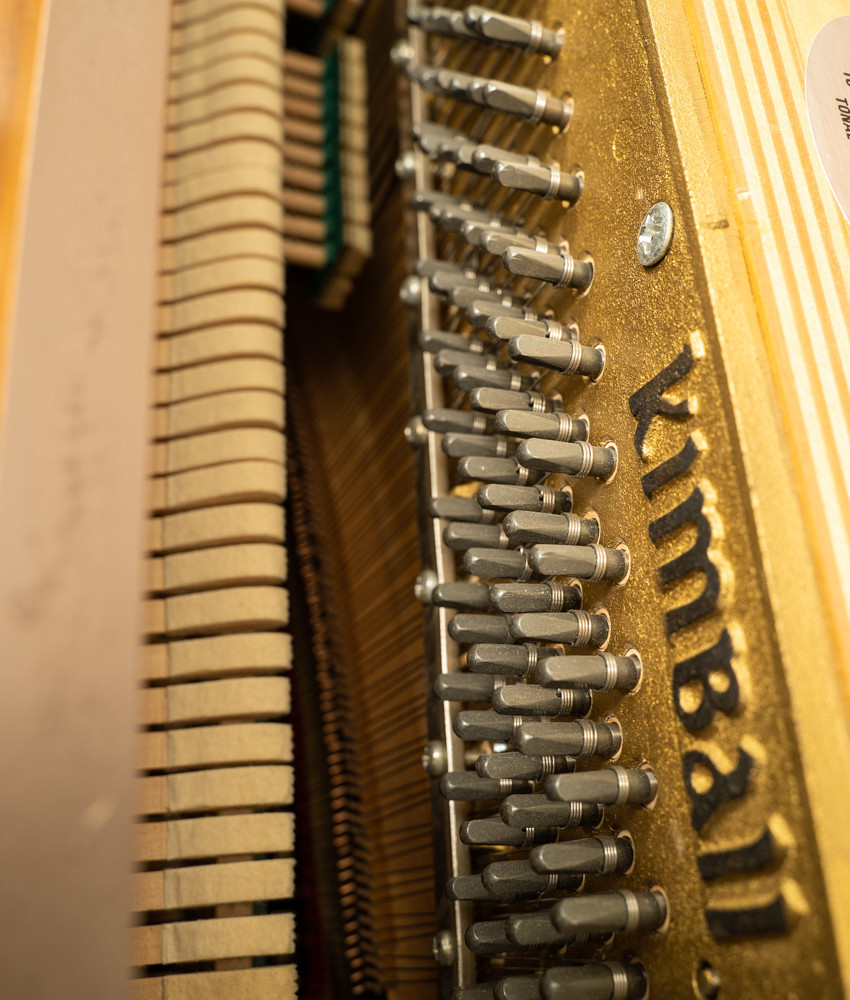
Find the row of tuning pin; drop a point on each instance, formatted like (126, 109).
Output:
(520, 532)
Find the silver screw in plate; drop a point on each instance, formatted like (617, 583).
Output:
(656, 234)
(443, 948)
(405, 166)
(435, 761)
(424, 585)
(410, 292)
(415, 432)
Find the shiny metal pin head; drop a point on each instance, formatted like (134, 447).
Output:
(567, 357)
(559, 270)
(577, 459)
(544, 179)
(557, 426)
(516, 598)
(530, 36)
(573, 628)
(536, 498)
(461, 596)
(443, 420)
(586, 856)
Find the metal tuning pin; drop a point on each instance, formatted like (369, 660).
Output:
(475, 232)
(474, 726)
(444, 282)
(426, 76)
(515, 598)
(612, 786)
(530, 36)
(530, 699)
(447, 359)
(602, 672)
(424, 199)
(474, 469)
(452, 216)
(518, 988)
(497, 243)
(468, 377)
(506, 328)
(480, 311)
(512, 661)
(429, 135)
(461, 596)
(568, 357)
(512, 764)
(535, 106)
(501, 564)
(460, 536)
(578, 459)
(467, 887)
(465, 297)
(608, 913)
(545, 179)
(573, 628)
(524, 527)
(462, 445)
(442, 21)
(458, 150)
(512, 881)
(587, 562)
(587, 856)
(491, 400)
(466, 786)
(445, 421)
(489, 937)
(494, 832)
(425, 267)
(534, 930)
(535, 809)
(581, 738)
(432, 341)
(463, 687)
(560, 270)
(487, 157)
(535, 498)
(460, 509)
(483, 991)
(466, 629)
(595, 981)
(558, 426)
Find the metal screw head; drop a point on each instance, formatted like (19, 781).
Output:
(415, 432)
(424, 585)
(443, 948)
(402, 54)
(435, 758)
(405, 166)
(656, 234)
(410, 292)
(706, 982)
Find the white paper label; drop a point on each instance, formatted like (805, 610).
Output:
(828, 104)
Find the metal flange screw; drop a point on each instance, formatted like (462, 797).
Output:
(656, 234)
(707, 982)
(435, 758)
(415, 432)
(410, 292)
(424, 585)
(443, 948)
(405, 166)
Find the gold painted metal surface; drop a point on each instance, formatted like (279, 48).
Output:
(642, 133)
